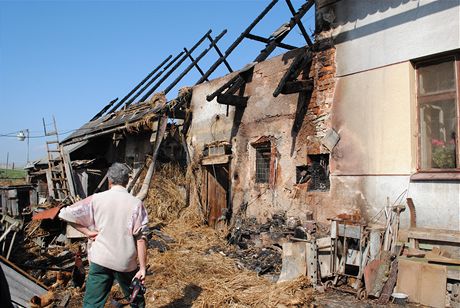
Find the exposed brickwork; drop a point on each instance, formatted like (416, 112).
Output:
(317, 118)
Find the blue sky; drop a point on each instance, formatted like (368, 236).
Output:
(70, 58)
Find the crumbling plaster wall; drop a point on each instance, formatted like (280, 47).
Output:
(264, 115)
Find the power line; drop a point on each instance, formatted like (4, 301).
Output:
(14, 134)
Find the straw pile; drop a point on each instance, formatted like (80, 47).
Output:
(167, 194)
(195, 272)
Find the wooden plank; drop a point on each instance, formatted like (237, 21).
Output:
(444, 260)
(433, 285)
(424, 283)
(440, 235)
(215, 160)
(389, 285)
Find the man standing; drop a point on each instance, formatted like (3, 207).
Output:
(115, 223)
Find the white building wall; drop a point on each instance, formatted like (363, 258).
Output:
(370, 34)
(374, 107)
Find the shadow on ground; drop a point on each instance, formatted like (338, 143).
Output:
(191, 292)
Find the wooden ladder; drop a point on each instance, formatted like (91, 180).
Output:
(56, 175)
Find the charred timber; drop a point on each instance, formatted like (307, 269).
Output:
(300, 62)
(294, 20)
(232, 100)
(299, 23)
(221, 55)
(140, 84)
(267, 41)
(100, 113)
(154, 78)
(176, 114)
(198, 58)
(175, 67)
(195, 62)
(237, 42)
(210, 97)
(297, 86)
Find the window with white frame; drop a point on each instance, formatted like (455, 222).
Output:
(438, 114)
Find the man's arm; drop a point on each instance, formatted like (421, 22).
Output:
(90, 234)
(142, 256)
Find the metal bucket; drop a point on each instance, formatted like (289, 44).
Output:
(399, 298)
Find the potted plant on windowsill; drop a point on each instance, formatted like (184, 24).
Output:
(443, 155)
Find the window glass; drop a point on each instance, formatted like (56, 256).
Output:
(438, 116)
(436, 78)
(263, 157)
(439, 133)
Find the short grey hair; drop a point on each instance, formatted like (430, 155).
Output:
(118, 173)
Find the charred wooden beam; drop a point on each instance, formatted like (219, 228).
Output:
(211, 96)
(103, 110)
(234, 83)
(265, 53)
(175, 67)
(221, 55)
(232, 100)
(301, 61)
(198, 58)
(140, 84)
(299, 23)
(195, 63)
(267, 41)
(238, 81)
(154, 78)
(297, 86)
(237, 42)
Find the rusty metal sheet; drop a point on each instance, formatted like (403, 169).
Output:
(370, 275)
(47, 214)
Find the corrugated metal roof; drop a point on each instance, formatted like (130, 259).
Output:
(22, 289)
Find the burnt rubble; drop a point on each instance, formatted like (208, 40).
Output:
(258, 246)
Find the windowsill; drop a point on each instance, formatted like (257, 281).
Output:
(436, 176)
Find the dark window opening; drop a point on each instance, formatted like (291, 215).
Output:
(263, 158)
(316, 173)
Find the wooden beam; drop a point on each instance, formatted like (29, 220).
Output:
(267, 41)
(439, 235)
(297, 86)
(299, 23)
(215, 160)
(232, 100)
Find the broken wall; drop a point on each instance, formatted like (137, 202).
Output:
(267, 117)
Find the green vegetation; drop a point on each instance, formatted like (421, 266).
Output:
(12, 174)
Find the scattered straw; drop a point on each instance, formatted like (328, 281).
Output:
(195, 273)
